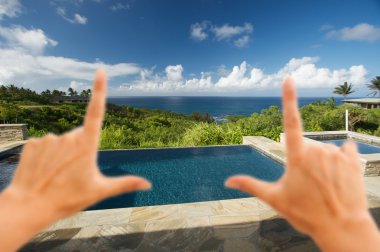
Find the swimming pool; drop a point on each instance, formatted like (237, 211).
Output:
(363, 148)
(178, 175)
(183, 175)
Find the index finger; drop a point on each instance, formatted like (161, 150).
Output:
(95, 110)
(292, 120)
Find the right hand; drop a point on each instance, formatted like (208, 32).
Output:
(322, 191)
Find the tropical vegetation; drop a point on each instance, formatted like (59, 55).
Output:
(344, 89)
(128, 127)
(375, 86)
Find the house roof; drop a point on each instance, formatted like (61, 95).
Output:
(364, 100)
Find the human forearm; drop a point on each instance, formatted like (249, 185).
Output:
(20, 219)
(358, 233)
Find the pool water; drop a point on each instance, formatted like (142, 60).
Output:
(363, 148)
(178, 175)
(183, 175)
(7, 168)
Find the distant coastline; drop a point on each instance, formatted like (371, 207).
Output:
(217, 106)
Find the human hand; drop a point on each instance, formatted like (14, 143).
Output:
(59, 174)
(322, 192)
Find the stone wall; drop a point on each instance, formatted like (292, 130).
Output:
(372, 167)
(13, 132)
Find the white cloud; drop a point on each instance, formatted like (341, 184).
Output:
(174, 73)
(238, 36)
(9, 8)
(79, 86)
(227, 31)
(120, 6)
(40, 72)
(76, 19)
(80, 19)
(242, 79)
(33, 40)
(359, 32)
(242, 41)
(197, 31)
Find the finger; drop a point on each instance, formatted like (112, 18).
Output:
(125, 184)
(95, 111)
(350, 148)
(247, 184)
(292, 120)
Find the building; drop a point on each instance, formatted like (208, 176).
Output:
(368, 103)
(70, 99)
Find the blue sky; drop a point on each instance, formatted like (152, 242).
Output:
(198, 47)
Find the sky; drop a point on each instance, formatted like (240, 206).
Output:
(190, 48)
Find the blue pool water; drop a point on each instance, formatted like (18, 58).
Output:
(178, 175)
(183, 175)
(362, 147)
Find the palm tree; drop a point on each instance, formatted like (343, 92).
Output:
(344, 89)
(72, 92)
(374, 86)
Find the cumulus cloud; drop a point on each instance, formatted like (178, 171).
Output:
(359, 32)
(242, 42)
(9, 8)
(78, 86)
(244, 78)
(174, 73)
(238, 36)
(197, 31)
(80, 19)
(33, 40)
(39, 72)
(228, 31)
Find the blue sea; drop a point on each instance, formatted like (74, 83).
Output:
(218, 107)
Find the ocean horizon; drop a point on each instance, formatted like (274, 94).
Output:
(217, 106)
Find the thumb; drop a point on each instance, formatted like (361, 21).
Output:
(263, 190)
(125, 184)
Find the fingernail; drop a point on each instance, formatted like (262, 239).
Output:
(231, 184)
(144, 185)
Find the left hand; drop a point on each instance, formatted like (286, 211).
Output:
(59, 174)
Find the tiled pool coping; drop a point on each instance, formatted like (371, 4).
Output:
(10, 147)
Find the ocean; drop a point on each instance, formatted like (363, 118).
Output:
(217, 107)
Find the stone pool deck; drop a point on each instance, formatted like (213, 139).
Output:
(10, 147)
(228, 225)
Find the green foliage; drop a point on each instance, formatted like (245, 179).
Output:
(375, 86)
(199, 117)
(234, 118)
(32, 132)
(11, 93)
(128, 127)
(344, 89)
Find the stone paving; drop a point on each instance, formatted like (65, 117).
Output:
(245, 224)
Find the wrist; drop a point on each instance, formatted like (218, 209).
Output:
(355, 233)
(21, 216)
(26, 208)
